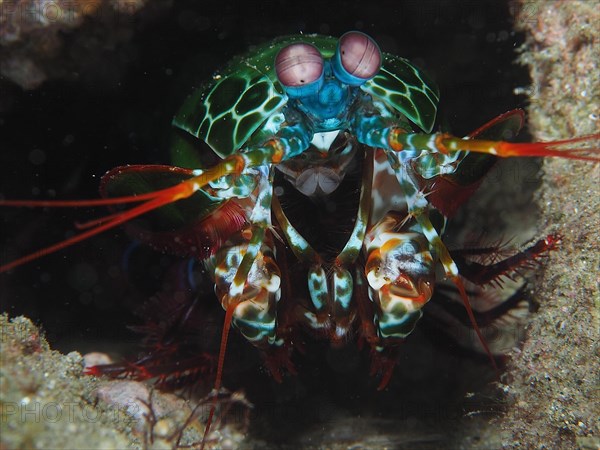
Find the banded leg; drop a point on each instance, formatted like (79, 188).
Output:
(317, 279)
(331, 295)
(322, 319)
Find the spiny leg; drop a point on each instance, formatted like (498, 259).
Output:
(482, 274)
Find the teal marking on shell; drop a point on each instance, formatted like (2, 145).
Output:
(317, 287)
(342, 288)
(256, 322)
(230, 109)
(234, 186)
(398, 324)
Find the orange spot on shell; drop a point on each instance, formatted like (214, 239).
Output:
(393, 140)
(439, 143)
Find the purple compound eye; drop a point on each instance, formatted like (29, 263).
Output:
(298, 65)
(359, 57)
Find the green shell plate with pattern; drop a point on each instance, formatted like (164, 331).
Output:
(407, 89)
(227, 111)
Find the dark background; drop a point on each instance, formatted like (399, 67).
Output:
(115, 108)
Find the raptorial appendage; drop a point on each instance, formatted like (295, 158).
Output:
(255, 313)
(400, 270)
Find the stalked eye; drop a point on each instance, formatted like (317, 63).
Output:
(299, 69)
(357, 58)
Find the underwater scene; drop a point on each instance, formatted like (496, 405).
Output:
(315, 225)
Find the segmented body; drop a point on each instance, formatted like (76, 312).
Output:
(393, 250)
(408, 95)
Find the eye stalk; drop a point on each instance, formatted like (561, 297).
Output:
(299, 69)
(357, 59)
